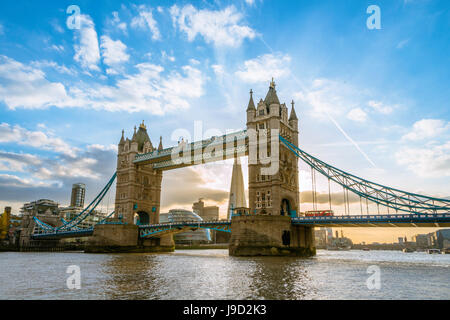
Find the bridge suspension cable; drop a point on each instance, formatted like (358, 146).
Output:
(329, 193)
(390, 197)
(80, 217)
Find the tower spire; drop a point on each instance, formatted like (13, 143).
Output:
(122, 140)
(160, 147)
(251, 104)
(134, 134)
(293, 114)
(272, 84)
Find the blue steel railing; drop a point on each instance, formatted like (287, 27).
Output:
(374, 219)
(150, 230)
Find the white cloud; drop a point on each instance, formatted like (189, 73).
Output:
(165, 56)
(433, 161)
(145, 19)
(264, 67)
(12, 181)
(113, 52)
(250, 2)
(59, 48)
(87, 51)
(53, 65)
(36, 139)
(17, 162)
(115, 21)
(381, 107)
(218, 69)
(223, 28)
(426, 129)
(402, 43)
(147, 90)
(27, 87)
(56, 26)
(329, 97)
(357, 115)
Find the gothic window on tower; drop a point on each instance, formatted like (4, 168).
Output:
(269, 200)
(261, 112)
(258, 200)
(261, 125)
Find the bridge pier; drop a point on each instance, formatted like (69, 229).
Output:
(266, 235)
(124, 238)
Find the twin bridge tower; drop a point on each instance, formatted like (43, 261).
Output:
(262, 229)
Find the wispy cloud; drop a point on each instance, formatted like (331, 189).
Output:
(223, 28)
(147, 90)
(36, 139)
(87, 51)
(265, 67)
(145, 20)
(426, 129)
(114, 53)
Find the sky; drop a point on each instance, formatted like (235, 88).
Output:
(370, 101)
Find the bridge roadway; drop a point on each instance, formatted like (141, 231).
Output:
(361, 221)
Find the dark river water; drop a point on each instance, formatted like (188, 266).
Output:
(213, 275)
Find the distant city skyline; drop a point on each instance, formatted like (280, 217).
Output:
(372, 102)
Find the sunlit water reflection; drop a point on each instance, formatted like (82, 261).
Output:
(212, 274)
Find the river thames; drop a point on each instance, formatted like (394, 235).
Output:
(213, 275)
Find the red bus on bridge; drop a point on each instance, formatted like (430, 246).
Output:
(319, 213)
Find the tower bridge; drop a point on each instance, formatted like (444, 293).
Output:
(273, 224)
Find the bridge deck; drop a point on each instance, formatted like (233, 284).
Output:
(381, 221)
(356, 221)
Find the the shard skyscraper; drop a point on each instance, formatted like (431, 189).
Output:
(237, 190)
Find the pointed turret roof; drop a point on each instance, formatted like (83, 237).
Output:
(142, 136)
(122, 140)
(271, 97)
(134, 135)
(251, 104)
(293, 114)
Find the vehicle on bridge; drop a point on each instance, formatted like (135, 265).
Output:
(319, 213)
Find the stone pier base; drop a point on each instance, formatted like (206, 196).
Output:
(110, 238)
(260, 235)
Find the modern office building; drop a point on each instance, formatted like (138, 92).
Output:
(189, 237)
(321, 237)
(443, 238)
(210, 213)
(78, 195)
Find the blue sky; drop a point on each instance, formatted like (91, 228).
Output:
(372, 102)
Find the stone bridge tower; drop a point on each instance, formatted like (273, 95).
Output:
(273, 198)
(138, 190)
(138, 194)
(275, 194)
